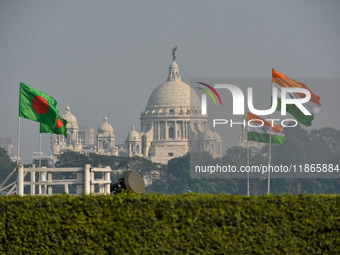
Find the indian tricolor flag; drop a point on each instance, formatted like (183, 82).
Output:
(313, 105)
(260, 130)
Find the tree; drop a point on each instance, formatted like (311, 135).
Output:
(176, 178)
(44, 163)
(72, 159)
(6, 165)
(302, 146)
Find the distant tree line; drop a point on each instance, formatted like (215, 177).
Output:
(315, 146)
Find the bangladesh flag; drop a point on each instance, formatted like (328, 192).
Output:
(37, 106)
(60, 128)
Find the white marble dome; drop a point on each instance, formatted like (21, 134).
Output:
(133, 135)
(174, 93)
(172, 123)
(105, 128)
(173, 65)
(217, 136)
(69, 117)
(208, 135)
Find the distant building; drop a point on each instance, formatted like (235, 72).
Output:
(106, 140)
(121, 150)
(72, 142)
(86, 136)
(81, 139)
(8, 144)
(172, 124)
(253, 146)
(36, 157)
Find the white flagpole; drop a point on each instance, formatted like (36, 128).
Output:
(248, 193)
(270, 144)
(270, 150)
(39, 149)
(18, 142)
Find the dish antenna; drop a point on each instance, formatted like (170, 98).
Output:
(132, 181)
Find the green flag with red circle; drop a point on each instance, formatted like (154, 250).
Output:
(60, 128)
(37, 106)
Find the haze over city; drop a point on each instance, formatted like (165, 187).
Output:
(106, 57)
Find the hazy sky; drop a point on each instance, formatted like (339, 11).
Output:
(106, 57)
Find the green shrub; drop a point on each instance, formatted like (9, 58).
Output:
(170, 224)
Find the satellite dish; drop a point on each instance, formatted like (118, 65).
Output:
(132, 181)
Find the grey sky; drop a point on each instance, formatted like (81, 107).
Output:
(106, 57)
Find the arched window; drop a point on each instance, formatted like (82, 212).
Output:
(132, 148)
(137, 149)
(171, 133)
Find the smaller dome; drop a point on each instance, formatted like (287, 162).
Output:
(217, 136)
(208, 134)
(69, 117)
(105, 128)
(133, 135)
(173, 65)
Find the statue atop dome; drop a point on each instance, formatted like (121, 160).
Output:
(173, 54)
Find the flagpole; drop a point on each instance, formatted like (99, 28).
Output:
(248, 193)
(270, 143)
(269, 159)
(39, 149)
(18, 142)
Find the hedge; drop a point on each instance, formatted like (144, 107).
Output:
(170, 224)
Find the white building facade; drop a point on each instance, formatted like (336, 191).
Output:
(172, 124)
(61, 143)
(105, 139)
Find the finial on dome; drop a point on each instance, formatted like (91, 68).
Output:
(67, 109)
(173, 54)
(105, 119)
(133, 128)
(173, 68)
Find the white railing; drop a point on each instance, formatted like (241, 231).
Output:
(85, 180)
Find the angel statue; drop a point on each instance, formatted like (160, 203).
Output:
(173, 53)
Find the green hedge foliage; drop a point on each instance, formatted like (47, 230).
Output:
(170, 224)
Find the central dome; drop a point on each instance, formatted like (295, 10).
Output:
(174, 93)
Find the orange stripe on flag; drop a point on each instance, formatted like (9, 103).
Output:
(284, 81)
(255, 119)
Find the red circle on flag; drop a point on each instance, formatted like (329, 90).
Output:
(40, 105)
(59, 123)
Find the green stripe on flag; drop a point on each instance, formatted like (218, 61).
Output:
(264, 138)
(61, 130)
(296, 113)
